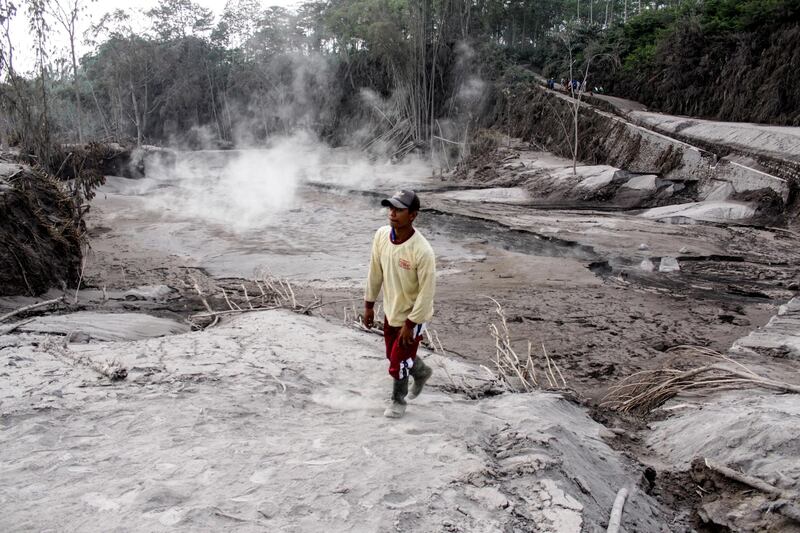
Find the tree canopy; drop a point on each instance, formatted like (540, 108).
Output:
(255, 71)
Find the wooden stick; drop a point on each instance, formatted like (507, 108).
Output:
(616, 511)
(787, 509)
(750, 481)
(83, 267)
(205, 303)
(233, 305)
(234, 312)
(10, 328)
(307, 309)
(291, 292)
(246, 296)
(31, 307)
(203, 298)
(436, 340)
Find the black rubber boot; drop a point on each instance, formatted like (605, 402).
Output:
(398, 406)
(421, 374)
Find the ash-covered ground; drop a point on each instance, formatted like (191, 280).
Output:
(273, 421)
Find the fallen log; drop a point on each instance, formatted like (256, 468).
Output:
(786, 506)
(31, 307)
(750, 481)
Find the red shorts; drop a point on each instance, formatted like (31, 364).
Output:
(401, 356)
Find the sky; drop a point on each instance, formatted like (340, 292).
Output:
(23, 41)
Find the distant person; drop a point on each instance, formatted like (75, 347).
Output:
(403, 264)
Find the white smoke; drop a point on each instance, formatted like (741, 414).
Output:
(247, 189)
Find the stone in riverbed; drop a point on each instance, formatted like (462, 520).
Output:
(647, 182)
(669, 264)
(647, 265)
(702, 211)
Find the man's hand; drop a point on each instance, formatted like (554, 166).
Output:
(369, 317)
(406, 335)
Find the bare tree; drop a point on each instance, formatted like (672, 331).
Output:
(577, 87)
(66, 12)
(41, 142)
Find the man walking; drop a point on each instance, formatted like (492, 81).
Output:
(403, 264)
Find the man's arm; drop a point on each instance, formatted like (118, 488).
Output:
(374, 282)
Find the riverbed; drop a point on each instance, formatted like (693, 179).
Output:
(597, 290)
(571, 280)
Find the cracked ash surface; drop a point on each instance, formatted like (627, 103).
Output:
(274, 421)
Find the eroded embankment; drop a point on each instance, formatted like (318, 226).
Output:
(716, 172)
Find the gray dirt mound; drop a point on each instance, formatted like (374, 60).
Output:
(40, 232)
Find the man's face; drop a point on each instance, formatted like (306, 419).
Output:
(400, 218)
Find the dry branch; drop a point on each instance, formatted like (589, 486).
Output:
(112, 370)
(11, 327)
(275, 294)
(31, 307)
(517, 374)
(205, 304)
(750, 481)
(644, 391)
(434, 338)
(218, 314)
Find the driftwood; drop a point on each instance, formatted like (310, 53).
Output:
(31, 307)
(616, 511)
(786, 506)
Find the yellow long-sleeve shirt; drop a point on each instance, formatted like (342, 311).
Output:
(407, 273)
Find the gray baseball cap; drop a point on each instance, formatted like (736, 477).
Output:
(402, 200)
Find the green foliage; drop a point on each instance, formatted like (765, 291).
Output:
(677, 59)
(720, 16)
(265, 70)
(641, 57)
(175, 19)
(516, 74)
